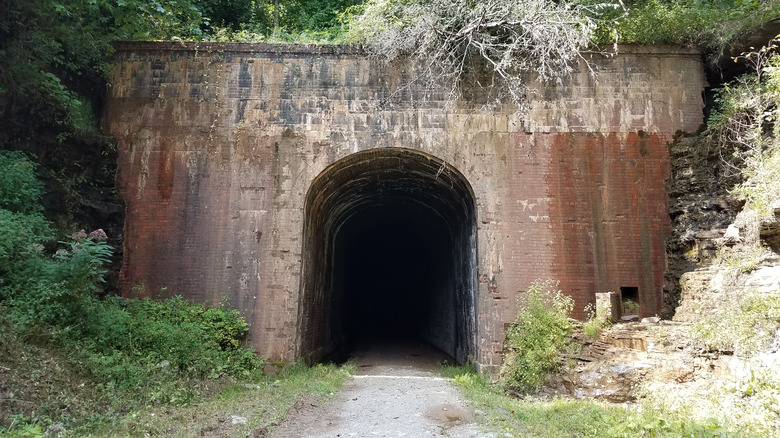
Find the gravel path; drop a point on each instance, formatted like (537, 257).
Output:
(396, 392)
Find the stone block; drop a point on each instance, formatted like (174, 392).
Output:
(608, 306)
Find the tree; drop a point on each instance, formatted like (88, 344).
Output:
(53, 61)
(318, 15)
(507, 39)
(234, 14)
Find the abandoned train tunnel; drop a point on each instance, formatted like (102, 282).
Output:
(390, 237)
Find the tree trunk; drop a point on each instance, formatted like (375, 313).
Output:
(276, 16)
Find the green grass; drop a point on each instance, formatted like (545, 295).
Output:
(262, 402)
(566, 418)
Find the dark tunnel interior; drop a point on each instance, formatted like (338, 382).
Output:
(389, 255)
(389, 261)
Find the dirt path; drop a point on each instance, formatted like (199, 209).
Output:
(396, 392)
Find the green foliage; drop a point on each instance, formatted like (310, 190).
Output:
(22, 226)
(19, 237)
(315, 15)
(536, 340)
(19, 190)
(596, 321)
(50, 290)
(630, 307)
(746, 326)
(709, 24)
(744, 132)
(148, 350)
(22, 427)
(300, 22)
(670, 22)
(236, 14)
(53, 58)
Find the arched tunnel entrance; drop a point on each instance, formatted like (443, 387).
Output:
(389, 253)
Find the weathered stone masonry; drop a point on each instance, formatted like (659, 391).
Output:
(221, 146)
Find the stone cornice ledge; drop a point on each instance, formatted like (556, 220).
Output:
(353, 50)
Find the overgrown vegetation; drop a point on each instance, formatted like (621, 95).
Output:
(745, 134)
(130, 352)
(53, 58)
(742, 391)
(101, 358)
(746, 326)
(598, 318)
(708, 24)
(497, 42)
(263, 403)
(54, 53)
(537, 417)
(738, 319)
(535, 342)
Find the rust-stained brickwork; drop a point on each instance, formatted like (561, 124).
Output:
(219, 145)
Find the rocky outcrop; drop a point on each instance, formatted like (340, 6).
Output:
(615, 366)
(705, 219)
(626, 359)
(700, 211)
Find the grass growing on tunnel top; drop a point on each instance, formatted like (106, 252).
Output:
(566, 418)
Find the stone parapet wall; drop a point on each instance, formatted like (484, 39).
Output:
(219, 145)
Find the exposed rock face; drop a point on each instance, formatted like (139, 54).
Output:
(700, 211)
(615, 366)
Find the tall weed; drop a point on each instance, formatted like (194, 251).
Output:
(537, 338)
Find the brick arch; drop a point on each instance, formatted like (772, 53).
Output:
(389, 250)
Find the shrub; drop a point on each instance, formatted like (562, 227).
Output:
(709, 24)
(145, 347)
(536, 340)
(50, 290)
(127, 342)
(22, 225)
(19, 189)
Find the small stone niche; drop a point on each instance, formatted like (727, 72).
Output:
(629, 299)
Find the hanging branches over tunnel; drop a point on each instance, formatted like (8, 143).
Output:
(491, 44)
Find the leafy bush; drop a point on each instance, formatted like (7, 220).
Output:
(22, 225)
(708, 24)
(50, 290)
(534, 343)
(670, 22)
(19, 190)
(172, 334)
(149, 350)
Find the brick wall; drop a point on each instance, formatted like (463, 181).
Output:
(220, 143)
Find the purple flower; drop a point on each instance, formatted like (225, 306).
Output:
(98, 235)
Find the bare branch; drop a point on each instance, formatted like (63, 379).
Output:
(451, 38)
